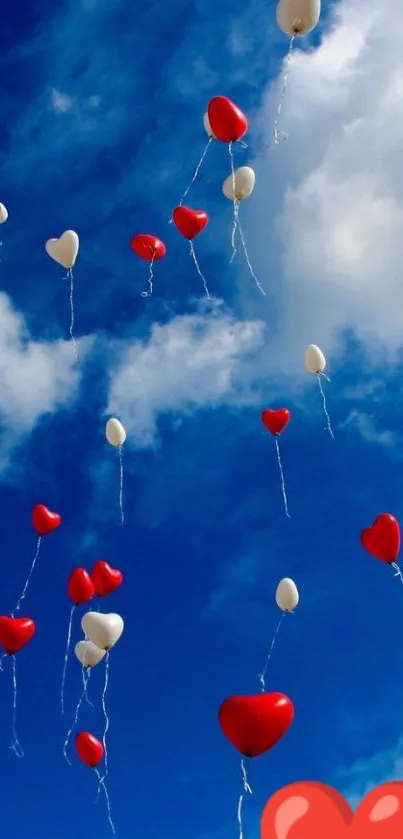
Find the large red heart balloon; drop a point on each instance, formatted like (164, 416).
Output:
(254, 724)
(189, 222)
(383, 538)
(89, 749)
(15, 633)
(310, 810)
(228, 123)
(80, 587)
(105, 579)
(44, 521)
(276, 421)
(148, 247)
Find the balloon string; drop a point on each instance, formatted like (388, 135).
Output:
(24, 591)
(280, 136)
(282, 479)
(236, 203)
(264, 671)
(193, 255)
(248, 260)
(66, 655)
(247, 789)
(197, 170)
(328, 425)
(79, 703)
(122, 515)
(397, 570)
(70, 276)
(150, 280)
(15, 744)
(104, 710)
(101, 783)
(85, 674)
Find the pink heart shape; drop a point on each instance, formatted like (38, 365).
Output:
(309, 810)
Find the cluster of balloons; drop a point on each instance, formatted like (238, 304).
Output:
(253, 724)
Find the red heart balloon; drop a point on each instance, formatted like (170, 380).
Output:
(15, 633)
(80, 587)
(105, 579)
(276, 421)
(383, 538)
(89, 749)
(44, 521)
(148, 247)
(228, 123)
(254, 724)
(189, 222)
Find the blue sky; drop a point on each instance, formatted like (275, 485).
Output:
(102, 113)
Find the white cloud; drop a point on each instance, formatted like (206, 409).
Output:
(35, 378)
(338, 187)
(190, 362)
(61, 102)
(362, 776)
(367, 426)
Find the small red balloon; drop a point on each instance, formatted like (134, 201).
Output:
(44, 521)
(80, 587)
(189, 222)
(89, 749)
(105, 579)
(228, 123)
(254, 724)
(276, 421)
(15, 633)
(383, 538)
(148, 247)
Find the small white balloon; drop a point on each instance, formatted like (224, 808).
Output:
(207, 126)
(287, 597)
(244, 180)
(115, 432)
(88, 654)
(315, 361)
(298, 17)
(3, 213)
(65, 249)
(104, 630)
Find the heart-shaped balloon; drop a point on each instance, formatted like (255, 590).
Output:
(88, 654)
(15, 633)
(44, 521)
(65, 249)
(148, 247)
(309, 810)
(89, 749)
(276, 421)
(254, 724)
(104, 630)
(189, 222)
(228, 123)
(80, 587)
(383, 538)
(105, 578)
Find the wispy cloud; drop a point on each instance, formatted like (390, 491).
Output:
(191, 362)
(35, 378)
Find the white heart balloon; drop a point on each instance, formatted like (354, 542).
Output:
(315, 361)
(64, 250)
(104, 630)
(244, 182)
(3, 213)
(207, 126)
(298, 17)
(88, 654)
(115, 432)
(287, 597)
